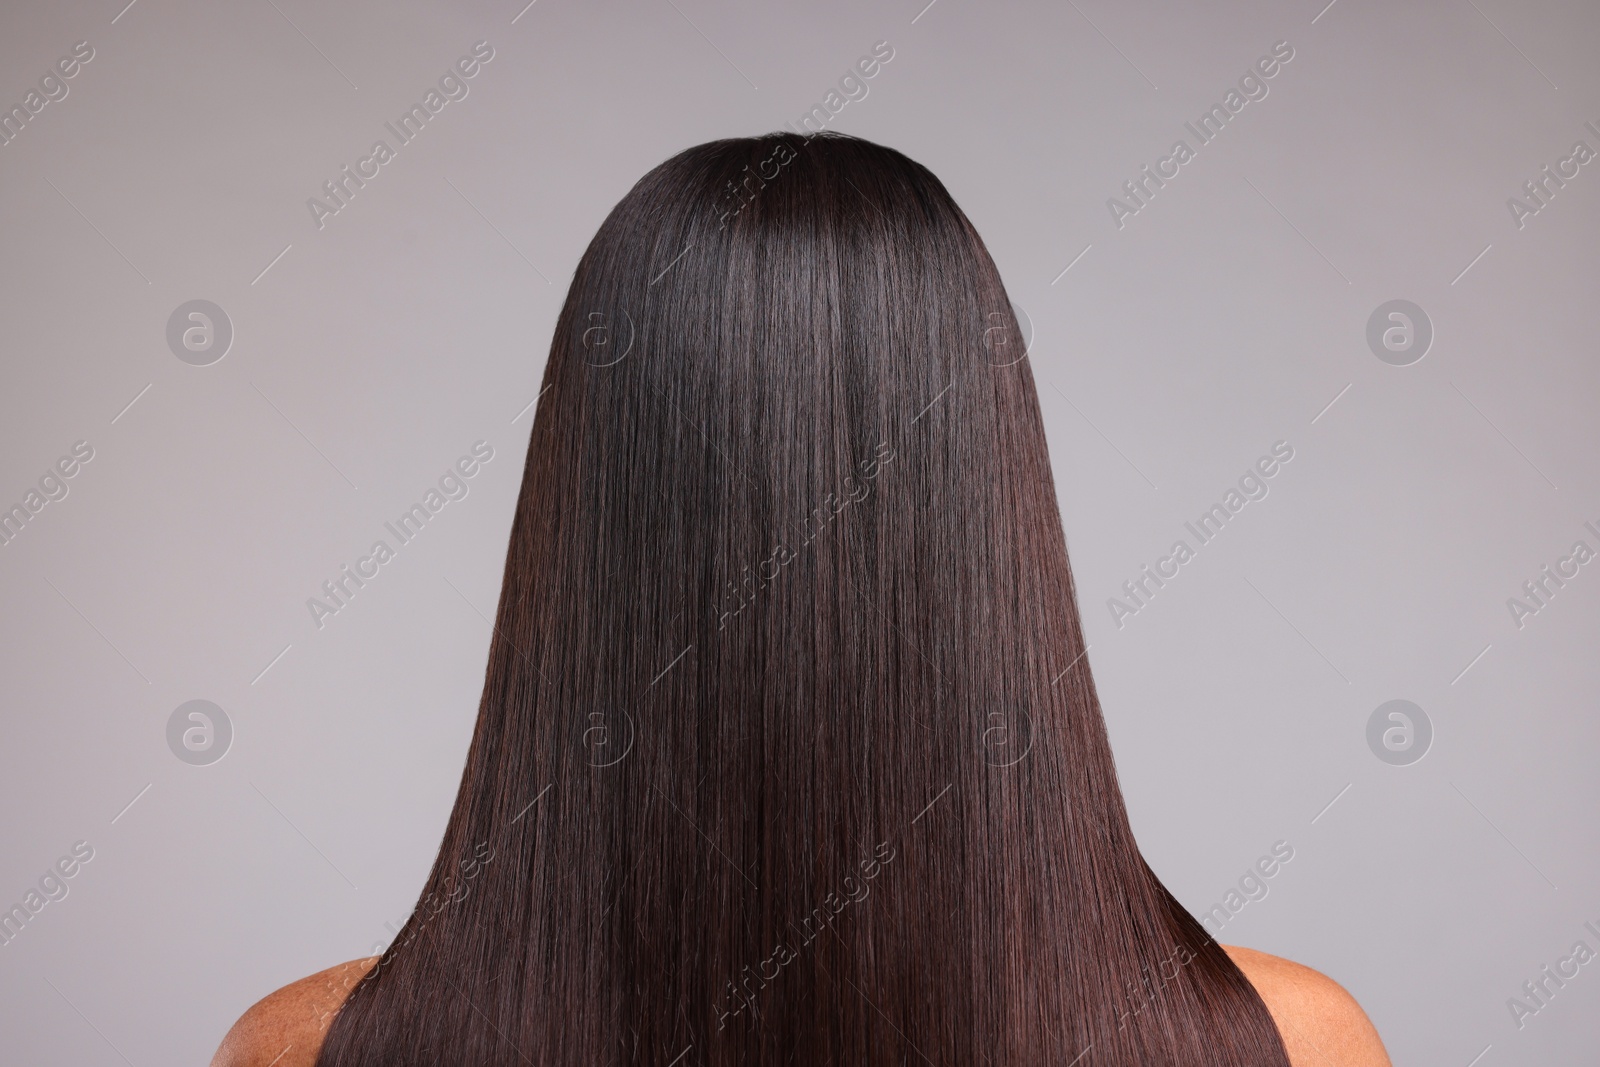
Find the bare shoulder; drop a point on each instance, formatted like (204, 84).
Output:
(1321, 1023)
(285, 1028)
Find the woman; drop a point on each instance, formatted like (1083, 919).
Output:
(788, 751)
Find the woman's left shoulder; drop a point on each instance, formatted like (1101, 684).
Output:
(1320, 1022)
(285, 1028)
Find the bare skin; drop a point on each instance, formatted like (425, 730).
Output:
(285, 1028)
(1321, 1024)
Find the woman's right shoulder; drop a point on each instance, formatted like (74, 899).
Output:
(285, 1028)
(1320, 1022)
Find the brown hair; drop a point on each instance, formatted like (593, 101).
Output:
(788, 750)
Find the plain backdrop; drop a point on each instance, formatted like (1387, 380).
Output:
(1172, 347)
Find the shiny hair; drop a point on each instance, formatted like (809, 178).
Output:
(788, 750)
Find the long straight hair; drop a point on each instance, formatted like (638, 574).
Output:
(789, 750)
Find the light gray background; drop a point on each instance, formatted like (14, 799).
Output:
(370, 354)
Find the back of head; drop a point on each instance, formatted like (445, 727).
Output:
(788, 750)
